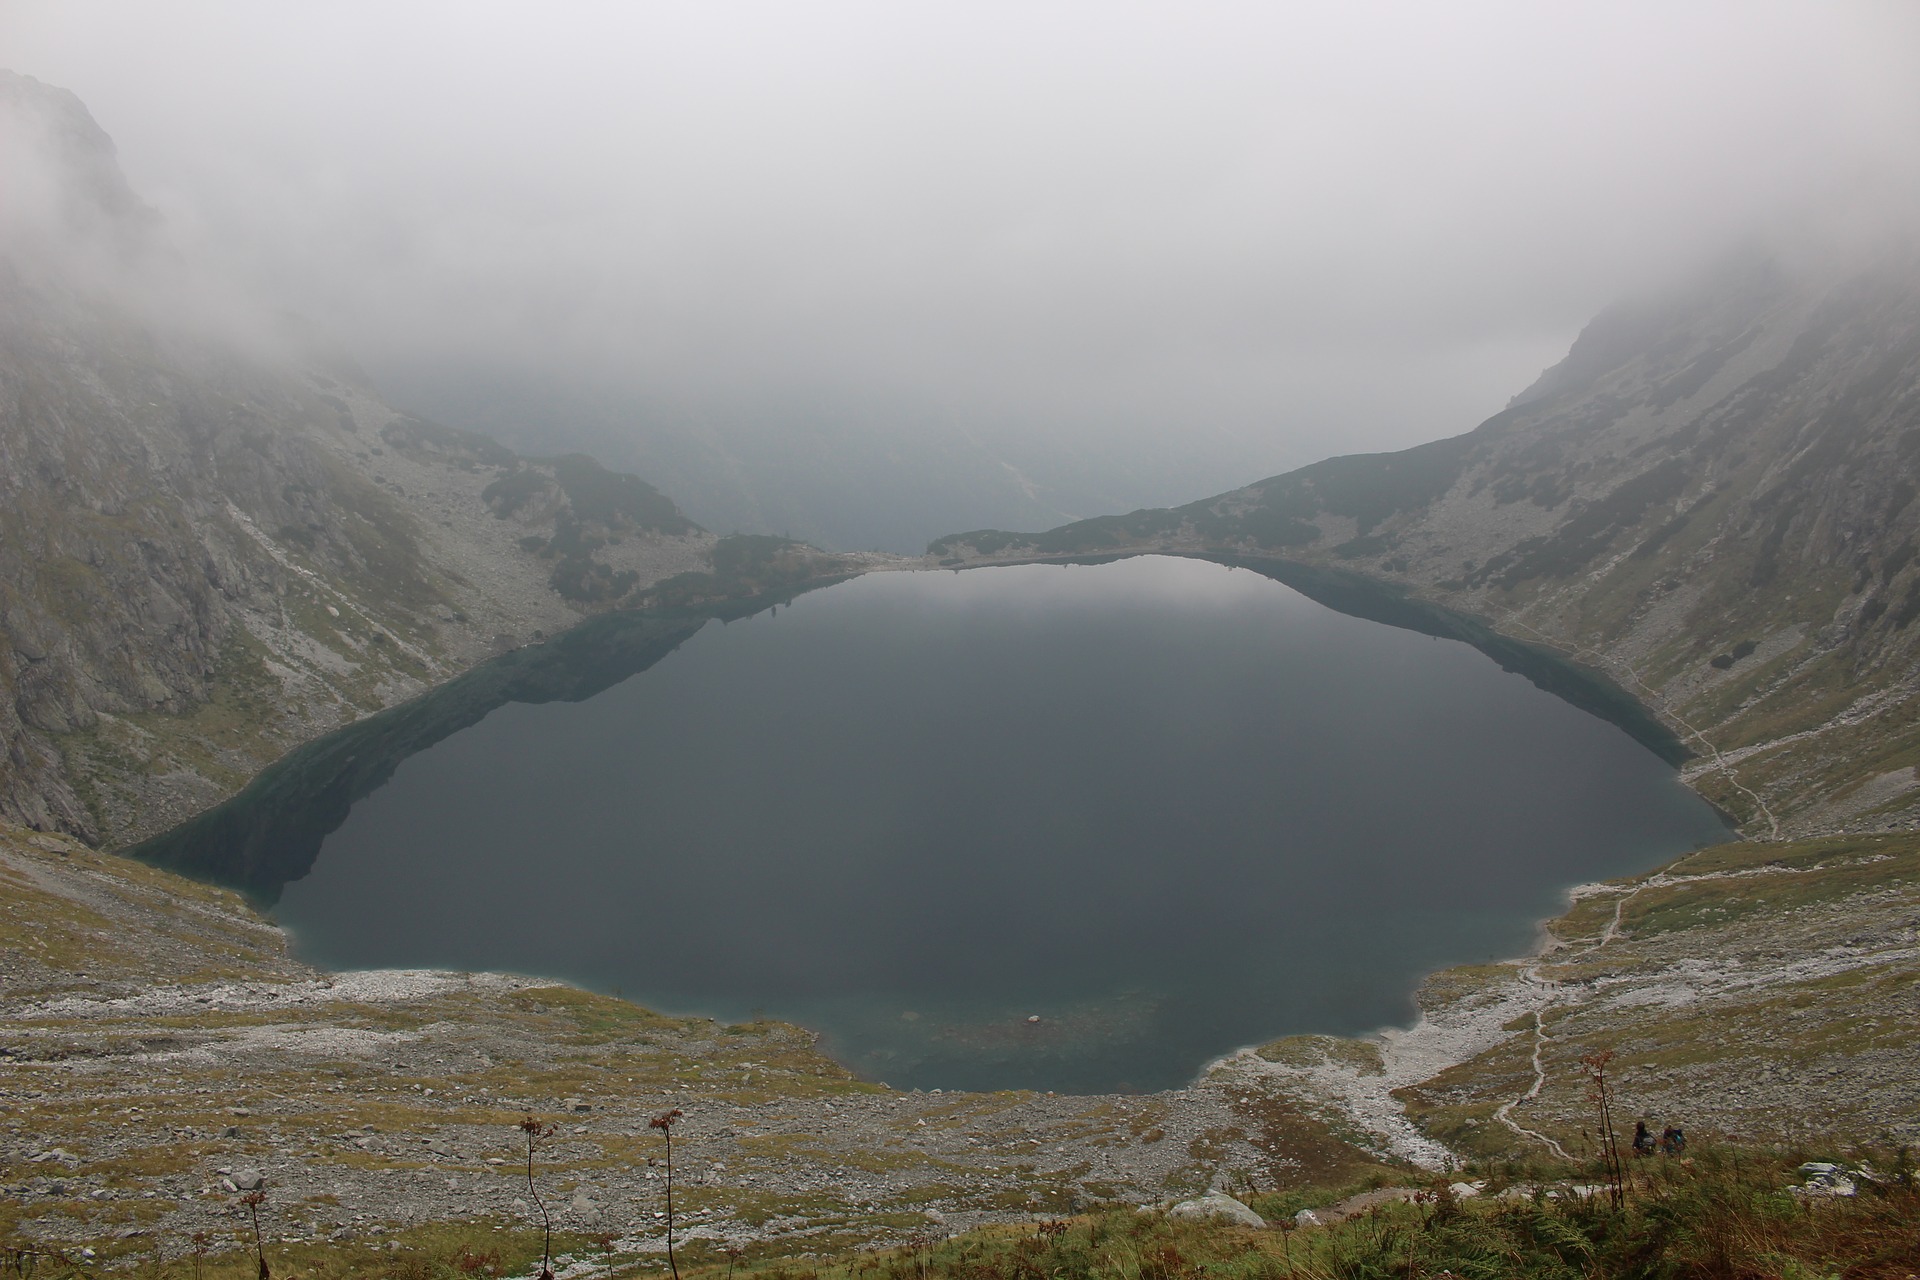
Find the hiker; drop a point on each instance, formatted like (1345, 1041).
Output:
(1673, 1141)
(1642, 1138)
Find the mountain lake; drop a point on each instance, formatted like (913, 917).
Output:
(1070, 827)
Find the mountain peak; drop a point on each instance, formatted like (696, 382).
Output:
(63, 171)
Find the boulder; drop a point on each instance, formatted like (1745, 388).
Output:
(1216, 1204)
(1824, 1179)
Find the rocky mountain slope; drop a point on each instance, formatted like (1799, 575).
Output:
(215, 540)
(1711, 499)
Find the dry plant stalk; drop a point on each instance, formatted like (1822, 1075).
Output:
(664, 1122)
(537, 1133)
(253, 1200)
(1600, 1093)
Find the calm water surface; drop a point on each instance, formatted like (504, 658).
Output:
(1167, 807)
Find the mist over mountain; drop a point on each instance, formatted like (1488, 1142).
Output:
(887, 484)
(867, 275)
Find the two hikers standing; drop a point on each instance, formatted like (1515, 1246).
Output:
(1671, 1142)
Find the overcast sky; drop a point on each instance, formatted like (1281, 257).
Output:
(1288, 229)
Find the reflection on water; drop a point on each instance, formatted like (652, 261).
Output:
(1063, 827)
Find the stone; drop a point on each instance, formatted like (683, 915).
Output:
(247, 1179)
(1825, 1179)
(1217, 1204)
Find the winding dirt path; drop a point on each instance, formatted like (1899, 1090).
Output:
(1554, 993)
(1504, 1113)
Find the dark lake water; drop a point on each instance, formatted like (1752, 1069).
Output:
(1166, 807)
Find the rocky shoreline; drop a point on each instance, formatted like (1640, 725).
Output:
(192, 1054)
(161, 1048)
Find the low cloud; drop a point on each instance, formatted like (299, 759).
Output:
(77, 237)
(1267, 233)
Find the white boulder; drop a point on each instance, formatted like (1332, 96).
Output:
(1217, 1204)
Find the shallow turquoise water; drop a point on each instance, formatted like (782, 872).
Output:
(1165, 807)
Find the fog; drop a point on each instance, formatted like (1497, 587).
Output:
(871, 272)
